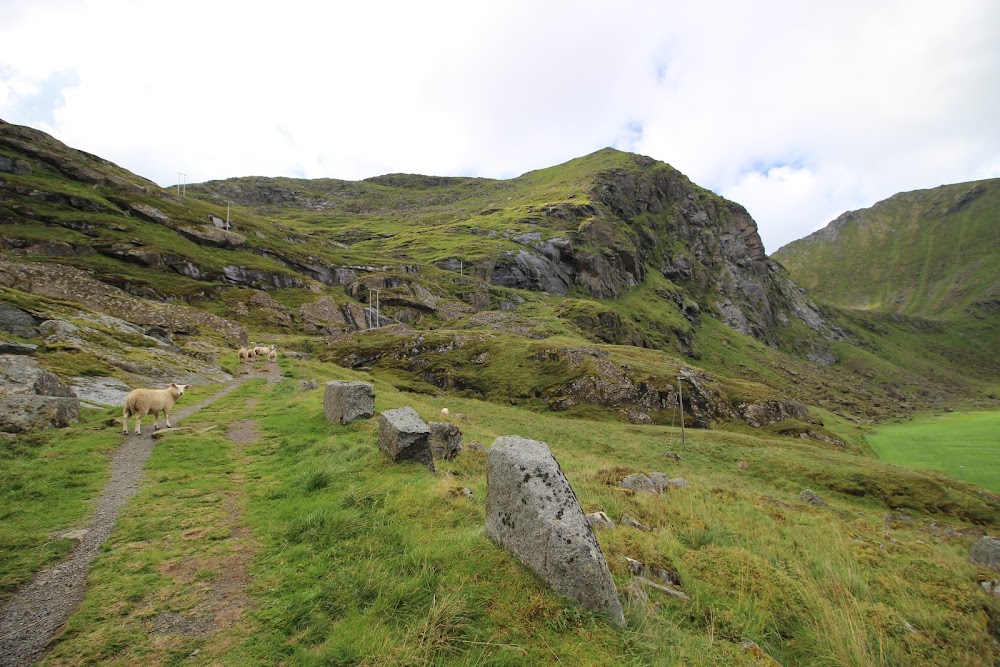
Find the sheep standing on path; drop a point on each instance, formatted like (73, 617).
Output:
(272, 355)
(141, 402)
(245, 354)
(260, 351)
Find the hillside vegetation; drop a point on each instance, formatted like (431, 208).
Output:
(929, 253)
(596, 305)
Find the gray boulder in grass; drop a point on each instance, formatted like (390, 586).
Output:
(403, 436)
(346, 401)
(985, 552)
(532, 512)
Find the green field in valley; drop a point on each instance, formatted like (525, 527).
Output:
(963, 444)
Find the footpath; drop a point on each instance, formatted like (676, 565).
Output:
(39, 609)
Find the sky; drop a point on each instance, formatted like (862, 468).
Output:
(799, 110)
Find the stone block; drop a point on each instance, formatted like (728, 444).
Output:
(344, 402)
(403, 436)
(533, 512)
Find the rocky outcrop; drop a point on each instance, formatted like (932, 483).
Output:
(76, 165)
(18, 322)
(212, 236)
(532, 512)
(67, 283)
(32, 397)
(259, 278)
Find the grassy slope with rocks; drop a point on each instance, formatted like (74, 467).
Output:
(569, 369)
(305, 546)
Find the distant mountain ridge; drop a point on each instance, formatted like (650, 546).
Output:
(929, 253)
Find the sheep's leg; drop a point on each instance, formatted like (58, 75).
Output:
(166, 417)
(125, 416)
(138, 425)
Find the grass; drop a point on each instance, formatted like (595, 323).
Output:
(931, 253)
(964, 445)
(306, 547)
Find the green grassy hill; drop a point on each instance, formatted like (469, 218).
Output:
(561, 305)
(929, 253)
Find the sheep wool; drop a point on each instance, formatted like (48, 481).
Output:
(141, 402)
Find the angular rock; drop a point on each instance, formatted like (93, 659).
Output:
(21, 413)
(660, 481)
(672, 455)
(346, 401)
(211, 236)
(533, 512)
(403, 436)
(678, 483)
(985, 552)
(24, 376)
(810, 497)
(16, 321)
(635, 523)
(599, 520)
(638, 483)
(445, 439)
(10, 347)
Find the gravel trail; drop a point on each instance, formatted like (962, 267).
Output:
(39, 609)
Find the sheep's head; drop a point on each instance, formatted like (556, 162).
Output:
(178, 389)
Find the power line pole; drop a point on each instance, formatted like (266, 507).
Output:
(181, 184)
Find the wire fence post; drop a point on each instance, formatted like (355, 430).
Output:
(680, 402)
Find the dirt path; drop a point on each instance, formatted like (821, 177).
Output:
(40, 608)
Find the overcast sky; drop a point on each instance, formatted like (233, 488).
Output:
(798, 110)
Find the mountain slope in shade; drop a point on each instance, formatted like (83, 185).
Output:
(929, 253)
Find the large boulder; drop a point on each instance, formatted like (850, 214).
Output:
(985, 552)
(32, 397)
(403, 436)
(16, 321)
(532, 512)
(445, 439)
(346, 401)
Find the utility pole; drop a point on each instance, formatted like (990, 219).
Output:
(227, 213)
(680, 401)
(181, 184)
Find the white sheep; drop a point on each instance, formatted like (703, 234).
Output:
(261, 351)
(244, 354)
(141, 402)
(444, 411)
(272, 354)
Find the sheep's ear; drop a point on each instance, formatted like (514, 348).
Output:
(173, 384)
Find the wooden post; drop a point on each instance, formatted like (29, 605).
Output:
(680, 402)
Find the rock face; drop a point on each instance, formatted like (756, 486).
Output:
(344, 402)
(64, 282)
(16, 321)
(532, 512)
(403, 436)
(445, 439)
(32, 397)
(985, 552)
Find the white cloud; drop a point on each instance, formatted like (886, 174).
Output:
(797, 110)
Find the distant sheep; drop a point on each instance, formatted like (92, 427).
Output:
(444, 411)
(141, 402)
(245, 354)
(261, 351)
(272, 354)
